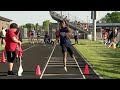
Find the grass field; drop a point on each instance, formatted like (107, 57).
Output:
(106, 61)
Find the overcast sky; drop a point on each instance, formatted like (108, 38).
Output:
(23, 17)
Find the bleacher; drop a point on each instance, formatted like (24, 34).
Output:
(72, 24)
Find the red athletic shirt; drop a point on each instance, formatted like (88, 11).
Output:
(10, 44)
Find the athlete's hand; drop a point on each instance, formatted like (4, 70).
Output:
(55, 43)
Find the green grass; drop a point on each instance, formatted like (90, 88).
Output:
(106, 61)
(25, 41)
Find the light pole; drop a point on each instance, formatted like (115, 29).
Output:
(87, 23)
(93, 16)
(61, 13)
(68, 16)
(87, 19)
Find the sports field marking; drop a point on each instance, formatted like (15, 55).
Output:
(59, 74)
(87, 62)
(28, 48)
(60, 61)
(79, 68)
(47, 62)
(67, 78)
(62, 65)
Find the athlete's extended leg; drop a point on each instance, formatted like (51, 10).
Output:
(69, 49)
(64, 51)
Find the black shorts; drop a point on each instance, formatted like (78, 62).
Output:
(66, 48)
(75, 37)
(11, 55)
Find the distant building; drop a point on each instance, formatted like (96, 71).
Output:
(4, 22)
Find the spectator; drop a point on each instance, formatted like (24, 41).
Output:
(33, 36)
(2, 35)
(38, 36)
(11, 45)
(75, 33)
(115, 32)
(29, 36)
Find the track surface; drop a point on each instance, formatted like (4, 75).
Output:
(51, 64)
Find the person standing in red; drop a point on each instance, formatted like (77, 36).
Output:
(11, 45)
(57, 34)
(105, 36)
(29, 36)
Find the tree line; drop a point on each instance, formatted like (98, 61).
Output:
(113, 17)
(36, 26)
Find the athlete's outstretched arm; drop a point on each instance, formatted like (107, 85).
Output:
(56, 41)
(69, 34)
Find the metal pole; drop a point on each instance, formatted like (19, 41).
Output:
(94, 28)
(48, 29)
(87, 23)
(87, 19)
(61, 13)
(94, 25)
(68, 15)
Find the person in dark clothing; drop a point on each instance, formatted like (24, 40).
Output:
(110, 35)
(38, 36)
(65, 42)
(76, 36)
(46, 36)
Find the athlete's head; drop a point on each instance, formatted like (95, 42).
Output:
(63, 24)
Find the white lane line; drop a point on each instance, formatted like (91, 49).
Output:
(47, 62)
(88, 63)
(61, 61)
(59, 74)
(62, 65)
(65, 78)
(28, 48)
(79, 67)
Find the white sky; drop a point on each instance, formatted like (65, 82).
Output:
(23, 17)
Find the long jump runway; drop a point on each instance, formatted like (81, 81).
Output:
(51, 64)
(54, 68)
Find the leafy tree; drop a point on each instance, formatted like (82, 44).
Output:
(36, 26)
(29, 26)
(113, 17)
(46, 24)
